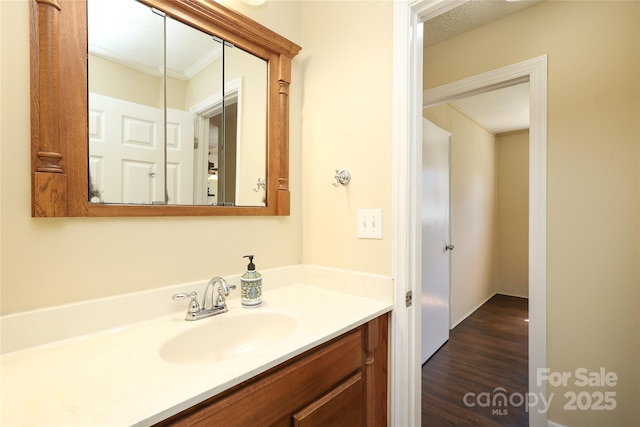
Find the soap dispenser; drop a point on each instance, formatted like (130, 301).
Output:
(251, 286)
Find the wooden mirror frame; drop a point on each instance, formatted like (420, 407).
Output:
(59, 133)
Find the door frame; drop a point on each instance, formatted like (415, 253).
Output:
(203, 111)
(405, 402)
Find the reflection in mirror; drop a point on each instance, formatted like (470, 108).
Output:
(160, 129)
(126, 103)
(194, 71)
(246, 88)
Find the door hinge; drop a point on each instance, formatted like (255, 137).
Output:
(195, 143)
(408, 299)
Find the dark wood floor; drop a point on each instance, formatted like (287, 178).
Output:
(485, 359)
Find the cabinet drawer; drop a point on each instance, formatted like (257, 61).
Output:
(341, 407)
(272, 397)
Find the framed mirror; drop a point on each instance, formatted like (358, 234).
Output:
(157, 107)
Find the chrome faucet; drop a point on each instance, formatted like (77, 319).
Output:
(200, 311)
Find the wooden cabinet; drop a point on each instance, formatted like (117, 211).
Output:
(340, 383)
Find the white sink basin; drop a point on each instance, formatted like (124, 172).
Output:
(225, 336)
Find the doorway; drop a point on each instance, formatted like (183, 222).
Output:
(217, 153)
(407, 135)
(534, 71)
(489, 227)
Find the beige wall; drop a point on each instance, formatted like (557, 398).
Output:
(2, 88)
(347, 116)
(115, 80)
(474, 229)
(593, 194)
(347, 124)
(48, 262)
(512, 162)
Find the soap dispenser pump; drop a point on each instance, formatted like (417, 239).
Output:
(251, 286)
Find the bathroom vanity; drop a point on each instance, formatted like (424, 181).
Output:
(314, 353)
(340, 383)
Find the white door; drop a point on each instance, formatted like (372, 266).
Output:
(127, 155)
(436, 246)
(126, 150)
(180, 157)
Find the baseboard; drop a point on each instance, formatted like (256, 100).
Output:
(471, 312)
(480, 305)
(511, 295)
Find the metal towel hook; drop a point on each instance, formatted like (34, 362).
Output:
(261, 184)
(342, 177)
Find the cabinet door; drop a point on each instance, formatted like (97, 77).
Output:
(342, 406)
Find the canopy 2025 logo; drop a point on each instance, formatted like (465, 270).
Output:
(587, 400)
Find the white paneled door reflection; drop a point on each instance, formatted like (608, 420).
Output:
(180, 157)
(128, 160)
(436, 247)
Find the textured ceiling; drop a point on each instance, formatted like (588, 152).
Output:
(468, 16)
(503, 110)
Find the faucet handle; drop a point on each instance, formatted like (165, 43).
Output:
(223, 291)
(227, 289)
(194, 307)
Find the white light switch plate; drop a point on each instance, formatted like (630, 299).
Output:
(369, 223)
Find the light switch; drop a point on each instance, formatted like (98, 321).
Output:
(370, 223)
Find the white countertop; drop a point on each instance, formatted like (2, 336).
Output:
(118, 378)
